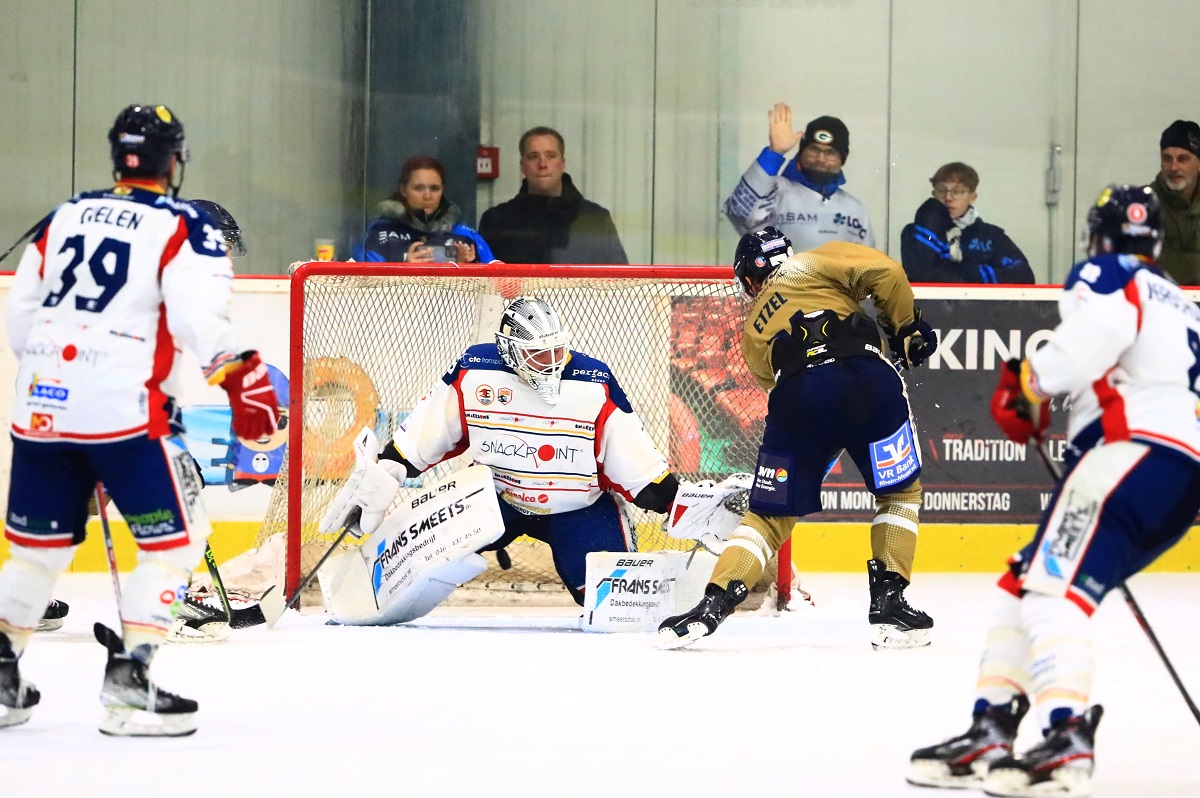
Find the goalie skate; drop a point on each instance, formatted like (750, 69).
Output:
(704, 618)
(53, 617)
(962, 762)
(894, 623)
(1061, 764)
(17, 697)
(133, 705)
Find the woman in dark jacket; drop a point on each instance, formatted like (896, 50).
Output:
(949, 243)
(418, 224)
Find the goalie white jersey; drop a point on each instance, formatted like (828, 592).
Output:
(108, 282)
(545, 458)
(1127, 352)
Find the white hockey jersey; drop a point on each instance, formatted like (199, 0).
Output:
(546, 458)
(109, 281)
(766, 196)
(1127, 353)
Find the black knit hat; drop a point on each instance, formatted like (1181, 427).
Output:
(1184, 134)
(831, 131)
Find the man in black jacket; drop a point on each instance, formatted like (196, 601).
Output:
(949, 243)
(549, 221)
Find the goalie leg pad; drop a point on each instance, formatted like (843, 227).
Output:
(26, 583)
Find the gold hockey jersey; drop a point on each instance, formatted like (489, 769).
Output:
(835, 277)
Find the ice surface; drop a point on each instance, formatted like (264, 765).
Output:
(506, 703)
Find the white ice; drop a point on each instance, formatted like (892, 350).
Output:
(505, 703)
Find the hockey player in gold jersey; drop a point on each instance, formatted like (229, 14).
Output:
(821, 358)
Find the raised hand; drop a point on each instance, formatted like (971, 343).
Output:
(783, 138)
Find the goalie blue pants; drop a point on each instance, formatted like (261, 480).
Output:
(571, 537)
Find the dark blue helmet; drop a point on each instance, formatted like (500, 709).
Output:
(758, 254)
(229, 226)
(144, 138)
(1126, 220)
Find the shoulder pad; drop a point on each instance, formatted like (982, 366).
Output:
(479, 356)
(1104, 274)
(204, 232)
(586, 369)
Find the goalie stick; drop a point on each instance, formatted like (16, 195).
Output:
(1138, 615)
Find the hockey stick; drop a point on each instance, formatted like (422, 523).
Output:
(108, 545)
(351, 523)
(1138, 615)
(24, 236)
(210, 560)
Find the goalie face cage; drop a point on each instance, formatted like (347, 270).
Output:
(368, 340)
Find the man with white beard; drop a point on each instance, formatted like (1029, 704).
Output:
(1176, 187)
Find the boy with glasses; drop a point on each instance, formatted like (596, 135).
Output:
(949, 243)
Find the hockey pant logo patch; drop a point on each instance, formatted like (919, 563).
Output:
(894, 459)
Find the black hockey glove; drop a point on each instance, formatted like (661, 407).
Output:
(914, 343)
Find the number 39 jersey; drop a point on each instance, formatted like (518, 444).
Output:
(545, 458)
(1127, 353)
(110, 280)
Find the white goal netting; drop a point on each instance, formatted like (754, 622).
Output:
(369, 340)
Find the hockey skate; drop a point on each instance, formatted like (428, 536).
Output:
(133, 705)
(962, 761)
(1061, 764)
(199, 623)
(704, 618)
(53, 617)
(895, 623)
(17, 697)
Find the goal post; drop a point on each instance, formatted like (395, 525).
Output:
(369, 339)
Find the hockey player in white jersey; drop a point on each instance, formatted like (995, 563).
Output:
(554, 426)
(111, 283)
(1127, 356)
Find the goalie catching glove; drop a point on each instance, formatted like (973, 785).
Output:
(252, 398)
(372, 487)
(709, 512)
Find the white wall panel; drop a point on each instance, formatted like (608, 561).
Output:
(990, 84)
(587, 70)
(35, 113)
(266, 91)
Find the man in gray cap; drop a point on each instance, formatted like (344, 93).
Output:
(803, 198)
(1176, 187)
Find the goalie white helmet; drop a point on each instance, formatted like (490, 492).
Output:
(533, 342)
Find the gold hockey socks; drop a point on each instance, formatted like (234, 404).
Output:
(747, 551)
(894, 530)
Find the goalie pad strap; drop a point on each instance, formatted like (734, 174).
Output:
(390, 452)
(658, 496)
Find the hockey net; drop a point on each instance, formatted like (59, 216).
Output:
(368, 340)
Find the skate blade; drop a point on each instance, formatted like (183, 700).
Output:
(122, 721)
(10, 716)
(50, 624)
(1012, 783)
(214, 632)
(934, 773)
(669, 637)
(889, 636)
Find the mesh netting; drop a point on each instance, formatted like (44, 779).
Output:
(374, 341)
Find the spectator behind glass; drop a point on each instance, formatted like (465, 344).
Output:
(549, 221)
(1176, 187)
(949, 243)
(418, 224)
(805, 200)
